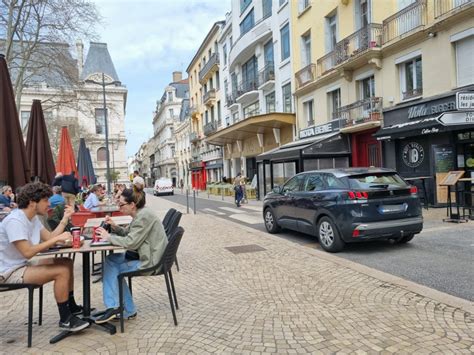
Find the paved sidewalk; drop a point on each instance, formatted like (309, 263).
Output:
(285, 298)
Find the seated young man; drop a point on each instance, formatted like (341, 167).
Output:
(22, 236)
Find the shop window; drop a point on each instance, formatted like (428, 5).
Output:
(411, 78)
(282, 172)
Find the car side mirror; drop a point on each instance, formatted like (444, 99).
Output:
(277, 189)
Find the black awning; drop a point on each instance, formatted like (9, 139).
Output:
(322, 145)
(412, 128)
(214, 166)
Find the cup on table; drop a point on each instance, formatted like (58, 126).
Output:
(76, 237)
(95, 235)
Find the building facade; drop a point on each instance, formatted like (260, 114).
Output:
(182, 132)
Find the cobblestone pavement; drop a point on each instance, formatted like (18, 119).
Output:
(284, 298)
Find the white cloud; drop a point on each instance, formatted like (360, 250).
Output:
(148, 40)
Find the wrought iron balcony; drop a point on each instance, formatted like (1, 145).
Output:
(231, 99)
(209, 97)
(305, 76)
(266, 74)
(210, 128)
(210, 66)
(366, 38)
(247, 86)
(410, 94)
(362, 111)
(443, 7)
(194, 137)
(404, 21)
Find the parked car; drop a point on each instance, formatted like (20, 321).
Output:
(342, 206)
(163, 186)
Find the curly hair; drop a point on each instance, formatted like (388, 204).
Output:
(33, 191)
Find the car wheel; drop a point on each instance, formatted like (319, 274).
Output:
(270, 222)
(405, 239)
(328, 235)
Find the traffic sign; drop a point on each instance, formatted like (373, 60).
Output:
(465, 101)
(456, 118)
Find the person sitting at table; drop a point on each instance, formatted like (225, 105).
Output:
(57, 198)
(145, 237)
(93, 198)
(22, 236)
(6, 198)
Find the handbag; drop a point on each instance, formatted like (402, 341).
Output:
(132, 255)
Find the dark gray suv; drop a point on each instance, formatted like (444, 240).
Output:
(345, 205)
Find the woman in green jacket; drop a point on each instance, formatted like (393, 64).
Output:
(145, 237)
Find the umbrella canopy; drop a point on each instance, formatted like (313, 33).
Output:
(38, 148)
(66, 162)
(84, 165)
(14, 168)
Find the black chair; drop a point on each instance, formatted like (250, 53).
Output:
(31, 288)
(167, 217)
(162, 268)
(172, 225)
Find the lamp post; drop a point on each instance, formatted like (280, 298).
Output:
(104, 84)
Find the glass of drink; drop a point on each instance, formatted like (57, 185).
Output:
(76, 237)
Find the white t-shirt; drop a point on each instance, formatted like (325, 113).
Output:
(16, 226)
(139, 180)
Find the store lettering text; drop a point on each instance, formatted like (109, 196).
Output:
(423, 110)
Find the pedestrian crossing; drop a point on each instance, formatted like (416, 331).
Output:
(246, 214)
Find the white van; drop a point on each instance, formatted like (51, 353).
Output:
(163, 186)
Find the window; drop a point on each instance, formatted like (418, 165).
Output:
(170, 96)
(464, 61)
(333, 182)
(267, 8)
(411, 78)
(206, 115)
(25, 117)
(219, 114)
(270, 102)
(268, 52)
(334, 103)
(249, 74)
(309, 112)
(303, 5)
(101, 154)
(331, 32)
(282, 2)
(244, 4)
(293, 185)
(306, 49)
(285, 42)
(212, 114)
(362, 13)
(367, 88)
(224, 51)
(247, 23)
(171, 112)
(252, 110)
(99, 121)
(218, 80)
(286, 93)
(226, 88)
(314, 182)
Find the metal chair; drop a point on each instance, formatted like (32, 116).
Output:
(167, 217)
(162, 268)
(31, 288)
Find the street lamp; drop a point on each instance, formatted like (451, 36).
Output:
(104, 84)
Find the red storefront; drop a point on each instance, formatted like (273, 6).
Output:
(198, 175)
(366, 150)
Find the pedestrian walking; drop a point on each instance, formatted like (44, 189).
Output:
(238, 189)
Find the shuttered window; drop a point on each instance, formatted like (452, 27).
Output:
(465, 61)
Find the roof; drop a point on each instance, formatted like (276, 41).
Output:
(341, 172)
(98, 60)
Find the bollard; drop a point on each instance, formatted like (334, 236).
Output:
(187, 201)
(222, 193)
(194, 200)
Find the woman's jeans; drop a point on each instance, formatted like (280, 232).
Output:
(114, 265)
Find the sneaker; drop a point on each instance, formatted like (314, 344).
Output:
(130, 317)
(73, 324)
(108, 315)
(76, 310)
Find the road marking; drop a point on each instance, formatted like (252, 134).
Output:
(254, 208)
(247, 218)
(213, 211)
(233, 210)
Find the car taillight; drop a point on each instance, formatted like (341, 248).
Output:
(413, 190)
(355, 233)
(358, 195)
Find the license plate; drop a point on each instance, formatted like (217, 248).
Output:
(393, 208)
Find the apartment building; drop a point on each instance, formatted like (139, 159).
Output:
(182, 132)
(205, 110)
(256, 72)
(163, 161)
(380, 89)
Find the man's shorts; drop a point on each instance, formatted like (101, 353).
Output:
(16, 277)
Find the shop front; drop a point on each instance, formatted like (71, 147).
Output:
(214, 170)
(198, 175)
(319, 147)
(425, 140)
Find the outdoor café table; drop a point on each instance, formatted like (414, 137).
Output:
(103, 210)
(120, 220)
(422, 179)
(86, 249)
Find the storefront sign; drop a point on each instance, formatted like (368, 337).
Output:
(456, 118)
(428, 109)
(413, 154)
(465, 101)
(319, 129)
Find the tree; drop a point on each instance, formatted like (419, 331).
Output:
(114, 175)
(36, 35)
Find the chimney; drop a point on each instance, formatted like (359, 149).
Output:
(80, 56)
(177, 76)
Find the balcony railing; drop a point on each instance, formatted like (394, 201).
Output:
(194, 137)
(360, 41)
(266, 74)
(251, 113)
(445, 6)
(410, 94)
(404, 21)
(209, 96)
(210, 127)
(247, 86)
(305, 75)
(213, 60)
(362, 111)
(231, 99)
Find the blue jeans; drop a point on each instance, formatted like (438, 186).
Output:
(114, 265)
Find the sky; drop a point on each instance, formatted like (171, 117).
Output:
(147, 41)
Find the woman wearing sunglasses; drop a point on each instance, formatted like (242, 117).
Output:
(145, 240)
